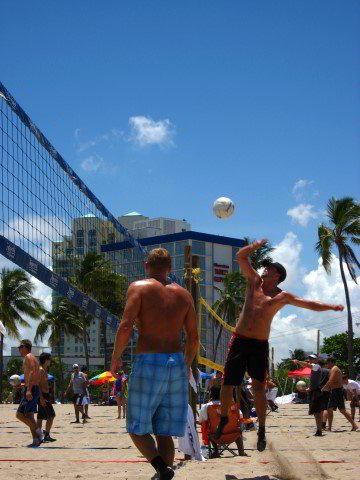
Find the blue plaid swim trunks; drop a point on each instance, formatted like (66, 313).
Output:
(158, 395)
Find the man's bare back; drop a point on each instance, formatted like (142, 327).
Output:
(44, 380)
(162, 315)
(31, 371)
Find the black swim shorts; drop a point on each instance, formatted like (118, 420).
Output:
(246, 354)
(336, 399)
(47, 411)
(316, 402)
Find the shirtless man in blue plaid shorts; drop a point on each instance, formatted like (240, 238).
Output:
(158, 385)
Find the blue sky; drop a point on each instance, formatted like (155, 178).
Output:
(161, 107)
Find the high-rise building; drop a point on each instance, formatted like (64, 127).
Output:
(89, 234)
(214, 254)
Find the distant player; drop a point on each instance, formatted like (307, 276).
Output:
(45, 409)
(249, 347)
(28, 404)
(78, 383)
(336, 400)
(353, 388)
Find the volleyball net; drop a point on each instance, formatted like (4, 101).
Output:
(49, 218)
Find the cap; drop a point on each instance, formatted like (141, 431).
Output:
(312, 356)
(280, 268)
(26, 343)
(75, 365)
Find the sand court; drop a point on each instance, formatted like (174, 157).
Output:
(103, 448)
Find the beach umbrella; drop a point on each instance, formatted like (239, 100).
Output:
(105, 377)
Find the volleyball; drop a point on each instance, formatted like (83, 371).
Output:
(14, 380)
(223, 207)
(301, 386)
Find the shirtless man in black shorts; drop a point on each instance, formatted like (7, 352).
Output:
(336, 400)
(45, 409)
(249, 345)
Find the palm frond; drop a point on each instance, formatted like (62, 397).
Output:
(324, 246)
(355, 240)
(350, 259)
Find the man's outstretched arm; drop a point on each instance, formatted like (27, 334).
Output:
(131, 312)
(292, 299)
(242, 257)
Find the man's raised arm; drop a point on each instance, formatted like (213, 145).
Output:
(292, 299)
(131, 312)
(242, 257)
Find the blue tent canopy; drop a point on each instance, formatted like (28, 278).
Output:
(50, 377)
(207, 375)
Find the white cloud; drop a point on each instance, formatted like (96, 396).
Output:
(288, 254)
(108, 138)
(302, 214)
(298, 188)
(146, 131)
(92, 163)
(299, 329)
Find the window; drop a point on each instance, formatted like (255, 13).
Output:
(179, 247)
(111, 238)
(202, 263)
(80, 242)
(198, 248)
(92, 240)
(169, 247)
(179, 263)
(76, 349)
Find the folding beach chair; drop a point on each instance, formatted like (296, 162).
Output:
(232, 431)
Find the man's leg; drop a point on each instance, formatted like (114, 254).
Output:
(258, 389)
(48, 425)
(118, 401)
(349, 419)
(29, 420)
(166, 449)
(330, 416)
(318, 420)
(352, 407)
(226, 394)
(324, 419)
(39, 423)
(147, 447)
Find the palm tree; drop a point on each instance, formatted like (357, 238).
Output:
(344, 215)
(58, 322)
(231, 299)
(16, 301)
(260, 255)
(95, 278)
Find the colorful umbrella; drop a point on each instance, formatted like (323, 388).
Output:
(105, 377)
